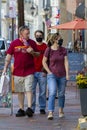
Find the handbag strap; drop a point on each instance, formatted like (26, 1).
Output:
(48, 61)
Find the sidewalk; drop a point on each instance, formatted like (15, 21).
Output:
(39, 122)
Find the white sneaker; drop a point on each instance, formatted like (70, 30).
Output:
(50, 116)
(61, 115)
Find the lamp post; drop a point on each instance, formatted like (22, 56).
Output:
(46, 18)
(31, 17)
(31, 7)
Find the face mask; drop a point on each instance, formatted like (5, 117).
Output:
(39, 39)
(60, 42)
(24, 41)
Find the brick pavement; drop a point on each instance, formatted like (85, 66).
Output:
(39, 122)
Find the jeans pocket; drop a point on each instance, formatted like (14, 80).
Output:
(50, 75)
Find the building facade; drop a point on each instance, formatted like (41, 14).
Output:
(68, 9)
(41, 20)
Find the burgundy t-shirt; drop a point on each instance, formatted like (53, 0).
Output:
(38, 60)
(56, 60)
(23, 61)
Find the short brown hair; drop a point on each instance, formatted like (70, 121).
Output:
(39, 32)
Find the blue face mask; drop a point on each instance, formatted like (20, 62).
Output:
(60, 42)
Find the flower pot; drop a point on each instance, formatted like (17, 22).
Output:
(83, 101)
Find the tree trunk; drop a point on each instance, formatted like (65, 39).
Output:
(20, 13)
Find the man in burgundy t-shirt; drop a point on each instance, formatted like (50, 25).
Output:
(23, 51)
(23, 61)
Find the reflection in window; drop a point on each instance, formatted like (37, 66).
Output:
(2, 45)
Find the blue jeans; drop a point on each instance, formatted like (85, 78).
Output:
(55, 83)
(42, 83)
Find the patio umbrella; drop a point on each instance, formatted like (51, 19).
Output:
(77, 24)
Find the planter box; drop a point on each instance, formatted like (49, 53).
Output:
(83, 101)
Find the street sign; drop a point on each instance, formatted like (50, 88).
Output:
(12, 8)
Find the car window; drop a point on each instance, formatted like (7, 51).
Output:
(2, 45)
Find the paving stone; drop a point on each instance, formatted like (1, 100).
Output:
(39, 122)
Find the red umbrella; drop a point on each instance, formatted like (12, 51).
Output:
(77, 24)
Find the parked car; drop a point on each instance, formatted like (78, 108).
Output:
(3, 46)
(8, 43)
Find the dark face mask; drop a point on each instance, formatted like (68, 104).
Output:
(60, 42)
(39, 39)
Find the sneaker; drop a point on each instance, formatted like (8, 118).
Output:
(56, 97)
(42, 111)
(50, 116)
(29, 112)
(47, 98)
(61, 114)
(20, 113)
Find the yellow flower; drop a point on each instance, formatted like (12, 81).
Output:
(81, 81)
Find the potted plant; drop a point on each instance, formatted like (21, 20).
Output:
(81, 80)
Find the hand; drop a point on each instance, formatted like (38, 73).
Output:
(29, 50)
(49, 72)
(4, 71)
(44, 74)
(67, 77)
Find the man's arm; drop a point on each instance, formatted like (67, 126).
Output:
(7, 62)
(31, 51)
(35, 53)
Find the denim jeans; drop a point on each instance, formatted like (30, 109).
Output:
(41, 80)
(55, 83)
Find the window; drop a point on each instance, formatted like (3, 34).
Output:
(2, 45)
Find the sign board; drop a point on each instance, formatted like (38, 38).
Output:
(12, 8)
(53, 31)
(54, 2)
(76, 64)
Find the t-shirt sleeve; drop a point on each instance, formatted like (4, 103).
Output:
(46, 52)
(34, 46)
(10, 49)
(65, 52)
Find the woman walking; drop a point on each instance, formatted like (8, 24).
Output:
(55, 63)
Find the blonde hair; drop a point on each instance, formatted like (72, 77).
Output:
(22, 28)
(48, 39)
(51, 38)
